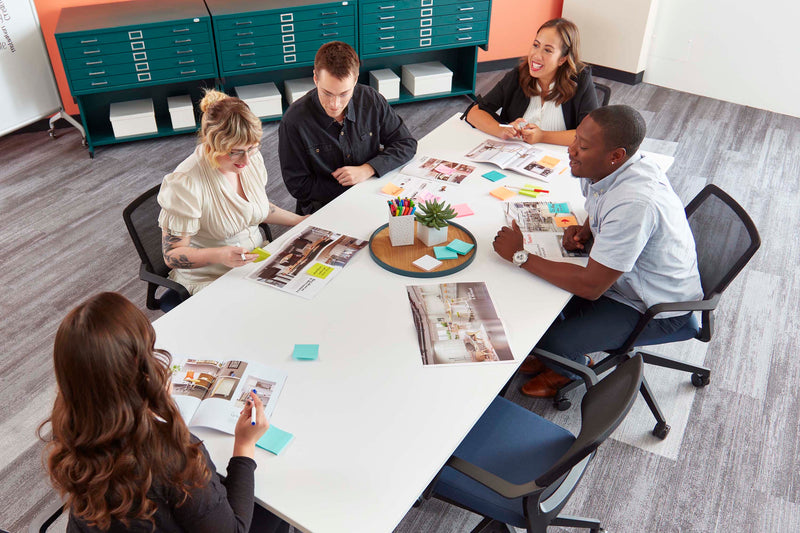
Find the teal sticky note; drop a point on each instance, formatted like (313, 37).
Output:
(460, 246)
(494, 175)
(306, 352)
(443, 252)
(274, 440)
(558, 208)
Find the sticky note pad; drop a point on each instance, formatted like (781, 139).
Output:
(391, 189)
(274, 440)
(443, 252)
(319, 270)
(549, 161)
(262, 254)
(558, 208)
(427, 262)
(462, 210)
(494, 175)
(460, 246)
(306, 352)
(502, 193)
(529, 192)
(562, 221)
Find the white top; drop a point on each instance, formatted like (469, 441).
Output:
(198, 201)
(640, 228)
(547, 116)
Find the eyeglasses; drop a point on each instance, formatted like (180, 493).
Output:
(239, 154)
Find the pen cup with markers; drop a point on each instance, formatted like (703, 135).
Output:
(401, 222)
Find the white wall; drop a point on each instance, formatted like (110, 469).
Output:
(741, 51)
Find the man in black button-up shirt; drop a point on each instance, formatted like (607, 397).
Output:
(338, 134)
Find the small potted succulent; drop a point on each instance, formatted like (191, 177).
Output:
(432, 217)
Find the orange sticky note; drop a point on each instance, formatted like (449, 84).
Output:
(562, 221)
(391, 189)
(549, 161)
(502, 193)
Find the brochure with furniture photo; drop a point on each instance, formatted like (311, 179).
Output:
(457, 323)
(431, 168)
(542, 224)
(212, 393)
(418, 189)
(306, 264)
(526, 159)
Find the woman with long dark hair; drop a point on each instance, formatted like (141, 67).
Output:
(546, 96)
(120, 453)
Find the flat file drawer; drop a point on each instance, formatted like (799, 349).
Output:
(276, 55)
(128, 67)
(149, 32)
(386, 6)
(180, 53)
(123, 81)
(328, 23)
(450, 40)
(336, 34)
(287, 16)
(135, 46)
(435, 31)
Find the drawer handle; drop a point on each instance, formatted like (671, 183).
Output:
(330, 23)
(137, 34)
(465, 28)
(140, 56)
(247, 54)
(189, 51)
(287, 28)
(186, 72)
(288, 48)
(290, 58)
(331, 34)
(247, 64)
(287, 38)
(247, 44)
(87, 52)
(287, 17)
(180, 30)
(244, 33)
(425, 32)
(467, 38)
(426, 3)
(465, 19)
(424, 23)
(386, 47)
(96, 83)
(137, 45)
(384, 28)
(329, 13)
(424, 42)
(89, 41)
(183, 41)
(89, 63)
(386, 38)
(390, 17)
(386, 7)
(428, 12)
(141, 67)
(144, 76)
(97, 73)
(466, 8)
(244, 23)
(187, 62)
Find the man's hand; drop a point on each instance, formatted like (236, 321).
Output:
(347, 176)
(508, 241)
(575, 237)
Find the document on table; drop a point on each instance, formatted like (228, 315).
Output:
(528, 160)
(542, 224)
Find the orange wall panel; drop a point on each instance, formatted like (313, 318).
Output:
(514, 25)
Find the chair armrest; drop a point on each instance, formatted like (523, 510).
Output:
(586, 373)
(146, 275)
(502, 487)
(694, 305)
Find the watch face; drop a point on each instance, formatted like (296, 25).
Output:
(520, 257)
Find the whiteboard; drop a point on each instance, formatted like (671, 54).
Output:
(28, 91)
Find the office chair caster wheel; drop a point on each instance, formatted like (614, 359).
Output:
(699, 380)
(601, 530)
(661, 430)
(562, 404)
(52, 133)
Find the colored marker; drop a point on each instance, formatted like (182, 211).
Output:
(253, 412)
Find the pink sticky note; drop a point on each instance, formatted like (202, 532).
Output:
(502, 193)
(444, 169)
(462, 210)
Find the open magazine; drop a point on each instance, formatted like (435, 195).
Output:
(431, 168)
(417, 189)
(457, 324)
(306, 264)
(211, 393)
(542, 224)
(526, 159)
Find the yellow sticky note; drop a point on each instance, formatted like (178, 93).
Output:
(262, 254)
(319, 270)
(562, 221)
(502, 193)
(392, 189)
(549, 161)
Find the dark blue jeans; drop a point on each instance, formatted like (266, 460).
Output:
(587, 326)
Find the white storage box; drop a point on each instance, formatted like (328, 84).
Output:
(135, 117)
(295, 89)
(181, 112)
(427, 78)
(386, 82)
(264, 99)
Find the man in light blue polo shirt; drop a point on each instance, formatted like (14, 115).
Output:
(642, 250)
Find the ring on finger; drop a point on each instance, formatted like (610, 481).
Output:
(243, 258)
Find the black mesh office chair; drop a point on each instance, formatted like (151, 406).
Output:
(517, 468)
(603, 93)
(141, 219)
(725, 239)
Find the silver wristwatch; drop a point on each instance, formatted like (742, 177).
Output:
(520, 257)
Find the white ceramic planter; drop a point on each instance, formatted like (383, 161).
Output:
(431, 236)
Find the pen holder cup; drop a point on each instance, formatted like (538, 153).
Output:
(401, 230)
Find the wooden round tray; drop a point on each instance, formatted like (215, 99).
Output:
(399, 259)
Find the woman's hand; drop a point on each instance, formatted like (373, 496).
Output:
(532, 134)
(246, 434)
(235, 256)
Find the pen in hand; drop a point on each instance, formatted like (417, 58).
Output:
(253, 412)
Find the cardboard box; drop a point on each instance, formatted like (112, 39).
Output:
(427, 78)
(386, 82)
(295, 89)
(181, 112)
(134, 117)
(264, 99)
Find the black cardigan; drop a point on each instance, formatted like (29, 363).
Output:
(508, 95)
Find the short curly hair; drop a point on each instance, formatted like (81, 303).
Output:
(338, 58)
(622, 125)
(227, 122)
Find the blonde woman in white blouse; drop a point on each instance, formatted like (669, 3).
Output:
(213, 202)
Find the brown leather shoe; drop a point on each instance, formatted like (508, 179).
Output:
(532, 365)
(545, 385)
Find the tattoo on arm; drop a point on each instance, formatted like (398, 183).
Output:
(271, 209)
(168, 243)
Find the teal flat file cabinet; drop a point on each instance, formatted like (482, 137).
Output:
(133, 50)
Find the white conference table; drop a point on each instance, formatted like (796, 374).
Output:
(372, 425)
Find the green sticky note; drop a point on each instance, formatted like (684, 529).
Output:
(274, 440)
(494, 175)
(460, 246)
(558, 208)
(443, 252)
(262, 254)
(306, 352)
(529, 192)
(319, 270)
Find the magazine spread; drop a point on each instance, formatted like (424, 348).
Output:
(211, 393)
(457, 324)
(306, 264)
(526, 159)
(542, 224)
(438, 170)
(417, 189)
